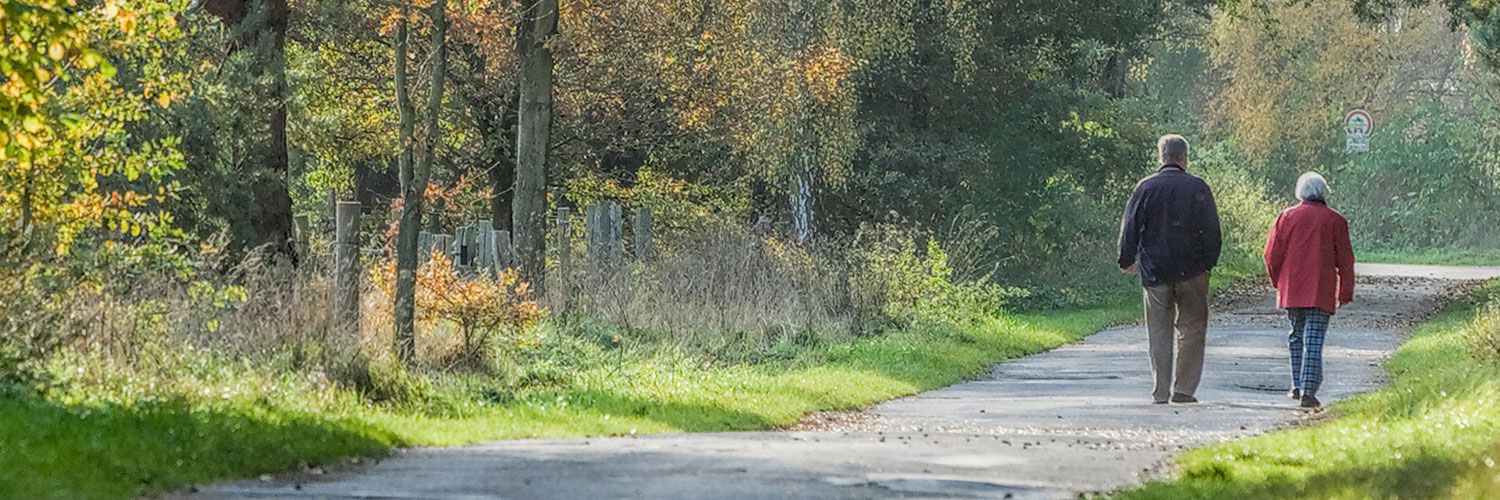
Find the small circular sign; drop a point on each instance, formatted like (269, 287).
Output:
(1358, 123)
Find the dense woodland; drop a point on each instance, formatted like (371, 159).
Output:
(989, 143)
(819, 172)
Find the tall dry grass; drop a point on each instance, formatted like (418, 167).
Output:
(718, 290)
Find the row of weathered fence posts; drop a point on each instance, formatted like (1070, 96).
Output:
(604, 234)
(481, 248)
(604, 245)
(602, 228)
(477, 247)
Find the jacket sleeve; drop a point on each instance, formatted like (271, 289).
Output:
(1275, 251)
(1213, 237)
(1345, 253)
(1130, 230)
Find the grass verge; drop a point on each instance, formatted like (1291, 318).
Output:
(1433, 256)
(129, 441)
(1434, 433)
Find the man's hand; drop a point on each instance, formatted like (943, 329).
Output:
(1128, 270)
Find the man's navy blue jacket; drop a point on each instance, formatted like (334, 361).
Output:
(1170, 228)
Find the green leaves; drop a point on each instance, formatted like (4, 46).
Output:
(36, 41)
(67, 123)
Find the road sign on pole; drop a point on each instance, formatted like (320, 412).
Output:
(1357, 129)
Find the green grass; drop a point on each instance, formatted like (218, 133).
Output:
(1433, 256)
(1434, 433)
(127, 440)
(120, 451)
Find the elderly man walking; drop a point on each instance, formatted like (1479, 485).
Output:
(1170, 233)
(1311, 263)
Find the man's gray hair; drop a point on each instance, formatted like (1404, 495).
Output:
(1312, 187)
(1172, 149)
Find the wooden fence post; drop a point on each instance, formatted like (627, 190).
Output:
(303, 225)
(616, 234)
(602, 225)
(563, 230)
(463, 248)
(593, 240)
(424, 245)
(346, 264)
(641, 243)
(440, 243)
(484, 246)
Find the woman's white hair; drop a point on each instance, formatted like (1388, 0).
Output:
(1312, 186)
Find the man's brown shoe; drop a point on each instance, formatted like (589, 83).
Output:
(1308, 401)
(1294, 393)
(1183, 398)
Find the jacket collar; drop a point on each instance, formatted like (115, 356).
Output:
(1170, 167)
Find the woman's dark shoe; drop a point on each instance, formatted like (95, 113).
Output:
(1294, 393)
(1183, 398)
(1308, 401)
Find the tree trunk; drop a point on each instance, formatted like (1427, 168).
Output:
(1114, 74)
(494, 114)
(271, 219)
(406, 257)
(414, 177)
(413, 182)
(804, 179)
(532, 135)
(503, 166)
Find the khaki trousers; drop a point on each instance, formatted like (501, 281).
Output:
(1183, 306)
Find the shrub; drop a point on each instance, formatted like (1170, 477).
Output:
(51, 301)
(894, 285)
(478, 307)
(1246, 210)
(1428, 181)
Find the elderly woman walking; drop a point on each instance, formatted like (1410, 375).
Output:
(1309, 260)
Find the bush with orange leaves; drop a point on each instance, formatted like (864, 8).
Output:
(479, 307)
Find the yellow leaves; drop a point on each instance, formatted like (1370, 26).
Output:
(27, 141)
(477, 302)
(32, 124)
(826, 70)
(122, 15)
(127, 23)
(59, 141)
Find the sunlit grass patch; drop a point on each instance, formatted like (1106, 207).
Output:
(1433, 256)
(104, 451)
(1433, 433)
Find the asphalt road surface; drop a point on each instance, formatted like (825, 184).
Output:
(1073, 420)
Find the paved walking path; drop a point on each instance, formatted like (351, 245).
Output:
(1053, 425)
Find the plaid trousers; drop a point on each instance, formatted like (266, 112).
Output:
(1309, 325)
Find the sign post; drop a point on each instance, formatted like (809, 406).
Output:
(1357, 129)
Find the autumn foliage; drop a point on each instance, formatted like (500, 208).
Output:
(477, 309)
